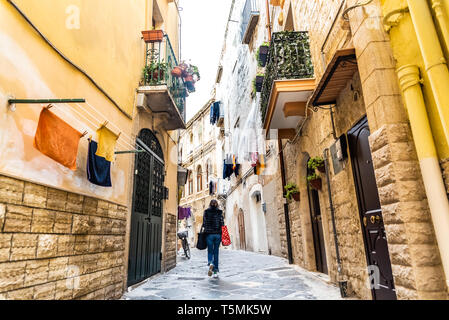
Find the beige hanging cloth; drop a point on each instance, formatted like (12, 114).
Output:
(106, 143)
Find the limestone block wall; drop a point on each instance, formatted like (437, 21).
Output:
(445, 167)
(59, 245)
(170, 242)
(413, 251)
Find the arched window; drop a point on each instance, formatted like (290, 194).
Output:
(199, 179)
(190, 183)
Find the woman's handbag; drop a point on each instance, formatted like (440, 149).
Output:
(202, 243)
(225, 238)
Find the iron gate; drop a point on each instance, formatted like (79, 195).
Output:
(146, 219)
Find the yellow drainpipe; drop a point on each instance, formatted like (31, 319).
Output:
(440, 14)
(435, 63)
(409, 79)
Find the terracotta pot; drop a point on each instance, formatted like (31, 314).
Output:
(316, 184)
(158, 75)
(296, 196)
(151, 36)
(176, 72)
(322, 168)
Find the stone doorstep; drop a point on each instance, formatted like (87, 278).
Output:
(138, 285)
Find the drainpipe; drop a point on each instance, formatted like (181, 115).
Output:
(342, 284)
(268, 20)
(286, 210)
(409, 79)
(437, 6)
(435, 63)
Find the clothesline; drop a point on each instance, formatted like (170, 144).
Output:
(91, 131)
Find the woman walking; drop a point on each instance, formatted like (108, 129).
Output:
(212, 223)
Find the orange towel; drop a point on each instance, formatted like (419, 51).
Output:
(57, 139)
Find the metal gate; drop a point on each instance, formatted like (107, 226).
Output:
(146, 219)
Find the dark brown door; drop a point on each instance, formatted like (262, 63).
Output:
(373, 230)
(317, 230)
(242, 230)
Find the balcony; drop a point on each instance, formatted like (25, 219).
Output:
(289, 82)
(250, 18)
(164, 94)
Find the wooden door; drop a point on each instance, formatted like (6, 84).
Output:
(241, 219)
(373, 230)
(146, 219)
(317, 230)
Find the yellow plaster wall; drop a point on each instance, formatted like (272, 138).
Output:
(406, 51)
(108, 47)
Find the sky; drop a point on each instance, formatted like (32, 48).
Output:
(202, 33)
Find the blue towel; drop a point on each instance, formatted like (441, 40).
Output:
(98, 168)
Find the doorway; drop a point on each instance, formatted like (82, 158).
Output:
(146, 218)
(373, 230)
(317, 228)
(241, 219)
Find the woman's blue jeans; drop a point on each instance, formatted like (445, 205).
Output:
(213, 244)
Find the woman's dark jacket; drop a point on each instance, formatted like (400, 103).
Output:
(213, 221)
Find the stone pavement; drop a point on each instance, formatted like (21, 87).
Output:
(243, 276)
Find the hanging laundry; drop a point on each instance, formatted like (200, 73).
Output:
(215, 112)
(227, 169)
(260, 167)
(98, 168)
(57, 139)
(184, 213)
(106, 143)
(237, 170)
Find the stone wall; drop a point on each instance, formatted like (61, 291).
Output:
(170, 242)
(445, 167)
(59, 245)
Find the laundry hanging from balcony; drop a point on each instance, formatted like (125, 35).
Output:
(57, 139)
(184, 213)
(215, 112)
(251, 141)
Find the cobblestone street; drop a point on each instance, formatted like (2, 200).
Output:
(243, 276)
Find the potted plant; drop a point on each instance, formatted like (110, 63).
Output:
(152, 36)
(317, 163)
(262, 54)
(314, 181)
(258, 82)
(154, 72)
(176, 72)
(292, 191)
(191, 75)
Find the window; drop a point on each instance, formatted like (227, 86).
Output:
(199, 179)
(190, 182)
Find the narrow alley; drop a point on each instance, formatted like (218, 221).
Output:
(243, 276)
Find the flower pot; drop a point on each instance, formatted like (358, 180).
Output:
(259, 83)
(176, 72)
(296, 196)
(152, 36)
(188, 78)
(158, 75)
(321, 168)
(316, 184)
(263, 55)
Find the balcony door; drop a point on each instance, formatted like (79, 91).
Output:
(146, 220)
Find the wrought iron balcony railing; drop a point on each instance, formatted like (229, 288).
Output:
(159, 62)
(250, 17)
(288, 58)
